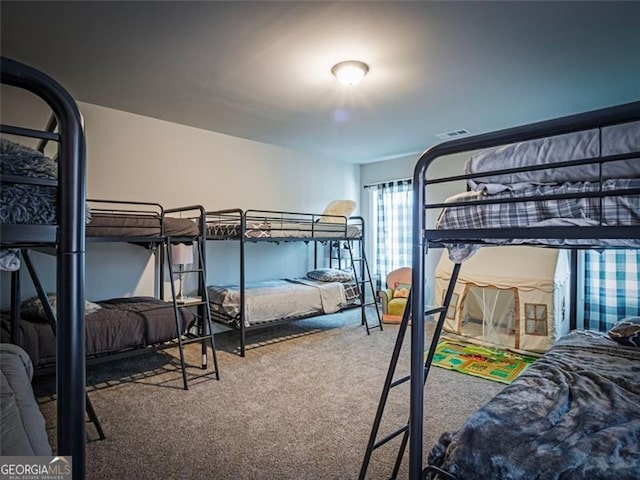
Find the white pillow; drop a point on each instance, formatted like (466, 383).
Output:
(344, 208)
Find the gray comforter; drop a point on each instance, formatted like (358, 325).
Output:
(22, 426)
(574, 414)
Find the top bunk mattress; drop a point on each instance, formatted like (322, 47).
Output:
(594, 143)
(550, 191)
(226, 229)
(134, 225)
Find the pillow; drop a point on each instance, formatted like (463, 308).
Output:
(330, 275)
(33, 310)
(626, 332)
(401, 290)
(343, 208)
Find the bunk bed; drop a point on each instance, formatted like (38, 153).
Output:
(67, 234)
(248, 306)
(570, 183)
(44, 207)
(122, 326)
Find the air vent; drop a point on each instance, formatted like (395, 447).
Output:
(452, 134)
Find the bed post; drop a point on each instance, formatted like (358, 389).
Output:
(573, 290)
(243, 330)
(70, 365)
(416, 412)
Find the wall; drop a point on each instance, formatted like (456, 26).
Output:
(131, 157)
(401, 168)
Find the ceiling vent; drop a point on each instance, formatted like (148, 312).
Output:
(452, 134)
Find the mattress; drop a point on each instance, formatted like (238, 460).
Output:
(573, 414)
(130, 225)
(121, 324)
(611, 140)
(226, 229)
(272, 300)
(614, 210)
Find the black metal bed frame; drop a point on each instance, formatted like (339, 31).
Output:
(69, 237)
(425, 238)
(422, 236)
(316, 230)
(158, 241)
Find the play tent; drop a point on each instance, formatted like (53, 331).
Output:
(516, 297)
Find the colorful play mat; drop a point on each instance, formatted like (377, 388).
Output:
(485, 362)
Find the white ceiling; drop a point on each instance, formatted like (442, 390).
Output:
(261, 70)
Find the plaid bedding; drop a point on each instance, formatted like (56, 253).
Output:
(222, 230)
(617, 210)
(229, 230)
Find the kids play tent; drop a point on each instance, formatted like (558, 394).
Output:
(516, 297)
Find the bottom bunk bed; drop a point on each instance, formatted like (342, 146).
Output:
(574, 413)
(112, 326)
(271, 302)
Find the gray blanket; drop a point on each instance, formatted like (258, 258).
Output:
(574, 414)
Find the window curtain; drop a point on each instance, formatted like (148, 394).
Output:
(392, 203)
(612, 287)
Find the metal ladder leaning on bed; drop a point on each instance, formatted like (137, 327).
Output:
(203, 321)
(362, 276)
(390, 383)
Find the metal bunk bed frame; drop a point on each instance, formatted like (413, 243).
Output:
(159, 243)
(307, 223)
(425, 238)
(69, 236)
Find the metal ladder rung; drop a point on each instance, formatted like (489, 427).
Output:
(391, 436)
(434, 310)
(399, 381)
(192, 270)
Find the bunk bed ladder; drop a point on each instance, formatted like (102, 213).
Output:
(362, 275)
(51, 318)
(390, 383)
(204, 323)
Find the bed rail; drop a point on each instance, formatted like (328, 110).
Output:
(275, 225)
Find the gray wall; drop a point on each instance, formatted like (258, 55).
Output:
(131, 157)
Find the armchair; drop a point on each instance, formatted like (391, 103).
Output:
(394, 297)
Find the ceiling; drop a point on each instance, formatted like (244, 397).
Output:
(261, 70)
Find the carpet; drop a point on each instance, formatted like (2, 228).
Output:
(484, 362)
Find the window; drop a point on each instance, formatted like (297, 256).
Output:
(535, 318)
(611, 287)
(391, 206)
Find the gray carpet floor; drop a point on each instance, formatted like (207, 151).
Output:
(299, 406)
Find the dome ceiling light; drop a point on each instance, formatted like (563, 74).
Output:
(350, 72)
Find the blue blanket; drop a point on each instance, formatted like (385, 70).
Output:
(573, 414)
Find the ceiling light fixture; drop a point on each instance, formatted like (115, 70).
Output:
(350, 72)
